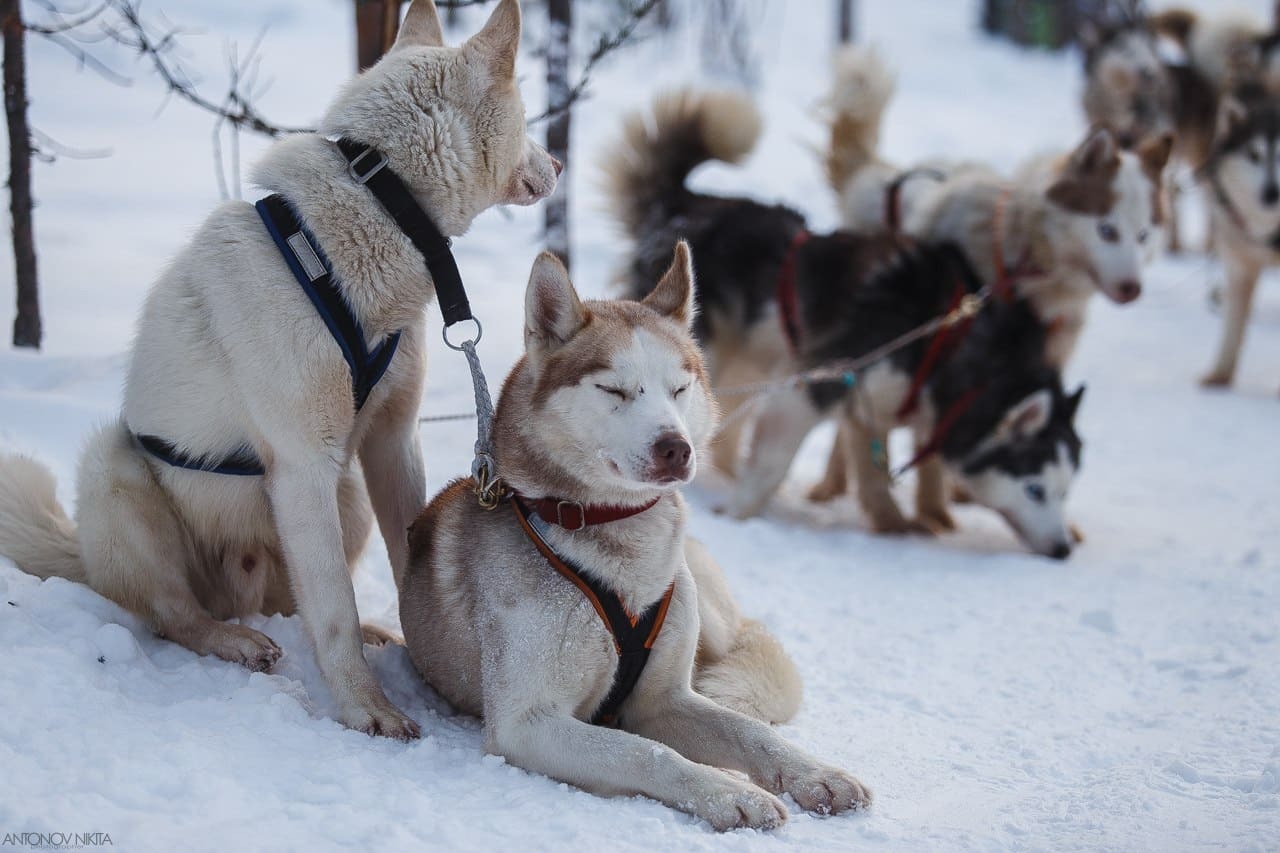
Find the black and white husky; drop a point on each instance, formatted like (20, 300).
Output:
(1243, 179)
(774, 300)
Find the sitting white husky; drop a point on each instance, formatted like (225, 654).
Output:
(578, 600)
(234, 370)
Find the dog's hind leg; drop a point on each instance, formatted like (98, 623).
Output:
(1242, 280)
(138, 553)
(788, 416)
(304, 488)
(835, 480)
(739, 663)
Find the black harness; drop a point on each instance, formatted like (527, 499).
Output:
(633, 635)
(314, 273)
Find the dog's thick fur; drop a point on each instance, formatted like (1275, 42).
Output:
(1052, 223)
(1242, 181)
(854, 292)
(494, 628)
(230, 352)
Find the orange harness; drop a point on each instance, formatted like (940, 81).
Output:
(633, 633)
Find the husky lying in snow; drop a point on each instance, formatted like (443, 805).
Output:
(597, 428)
(1067, 227)
(232, 361)
(1012, 442)
(1242, 177)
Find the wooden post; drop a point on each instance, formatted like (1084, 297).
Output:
(377, 22)
(559, 42)
(845, 13)
(27, 331)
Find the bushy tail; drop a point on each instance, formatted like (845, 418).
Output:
(755, 677)
(861, 90)
(34, 531)
(647, 167)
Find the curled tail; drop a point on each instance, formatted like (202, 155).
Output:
(740, 664)
(861, 90)
(647, 167)
(34, 530)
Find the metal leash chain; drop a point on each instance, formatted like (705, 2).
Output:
(489, 488)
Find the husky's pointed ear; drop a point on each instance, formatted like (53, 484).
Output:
(1153, 154)
(1025, 419)
(499, 40)
(421, 26)
(1232, 114)
(1098, 154)
(674, 295)
(552, 311)
(1073, 403)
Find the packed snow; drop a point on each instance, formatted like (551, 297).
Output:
(1128, 699)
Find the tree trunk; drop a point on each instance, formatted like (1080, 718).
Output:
(558, 52)
(27, 330)
(377, 22)
(846, 28)
(1033, 23)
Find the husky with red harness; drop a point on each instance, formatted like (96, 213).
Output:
(599, 643)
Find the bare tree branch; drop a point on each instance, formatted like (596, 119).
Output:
(607, 44)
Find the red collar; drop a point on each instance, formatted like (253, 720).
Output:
(572, 515)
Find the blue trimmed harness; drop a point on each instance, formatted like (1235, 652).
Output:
(301, 251)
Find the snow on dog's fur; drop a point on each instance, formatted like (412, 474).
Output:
(853, 293)
(229, 352)
(1242, 179)
(493, 627)
(1069, 225)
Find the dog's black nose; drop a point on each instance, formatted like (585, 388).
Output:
(1060, 551)
(1270, 194)
(1127, 291)
(671, 455)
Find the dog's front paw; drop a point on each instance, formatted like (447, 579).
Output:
(377, 716)
(826, 790)
(1216, 379)
(741, 805)
(241, 644)
(896, 524)
(936, 520)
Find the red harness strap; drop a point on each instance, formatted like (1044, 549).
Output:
(943, 342)
(633, 633)
(942, 428)
(788, 296)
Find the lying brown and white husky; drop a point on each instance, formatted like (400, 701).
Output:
(580, 599)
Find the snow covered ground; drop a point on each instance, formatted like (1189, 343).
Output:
(1128, 699)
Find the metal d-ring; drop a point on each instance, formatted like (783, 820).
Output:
(473, 341)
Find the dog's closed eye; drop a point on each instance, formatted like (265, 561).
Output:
(615, 392)
(676, 393)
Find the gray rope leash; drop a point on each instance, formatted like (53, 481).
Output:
(483, 469)
(846, 370)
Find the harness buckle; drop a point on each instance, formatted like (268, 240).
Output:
(582, 515)
(377, 167)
